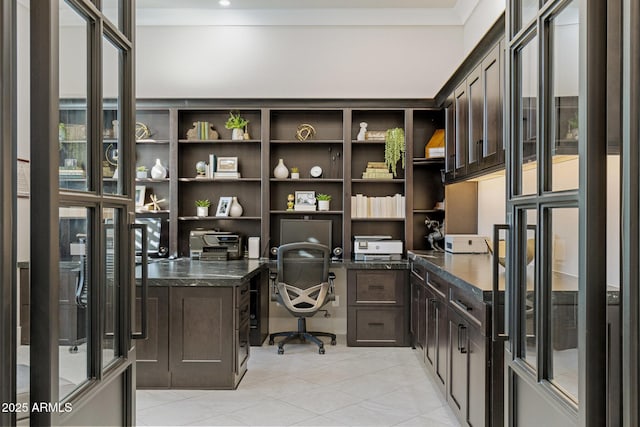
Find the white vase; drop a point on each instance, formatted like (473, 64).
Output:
(202, 211)
(237, 134)
(323, 205)
(158, 171)
(281, 171)
(236, 208)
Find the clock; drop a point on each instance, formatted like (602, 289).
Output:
(316, 172)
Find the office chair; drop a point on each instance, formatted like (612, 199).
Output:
(302, 284)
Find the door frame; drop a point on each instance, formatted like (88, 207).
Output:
(44, 257)
(590, 198)
(8, 203)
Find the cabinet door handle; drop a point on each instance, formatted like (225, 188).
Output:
(376, 287)
(464, 306)
(461, 342)
(145, 283)
(244, 291)
(496, 335)
(376, 324)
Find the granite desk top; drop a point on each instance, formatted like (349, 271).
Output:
(474, 273)
(185, 272)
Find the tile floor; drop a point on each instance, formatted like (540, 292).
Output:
(347, 386)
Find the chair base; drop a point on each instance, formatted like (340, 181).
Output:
(303, 335)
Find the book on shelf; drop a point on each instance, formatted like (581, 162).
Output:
(377, 170)
(212, 165)
(378, 207)
(226, 175)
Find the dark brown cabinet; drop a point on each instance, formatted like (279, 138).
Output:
(473, 119)
(198, 337)
(458, 350)
(377, 313)
(152, 353)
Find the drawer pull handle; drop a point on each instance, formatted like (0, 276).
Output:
(461, 341)
(376, 287)
(464, 306)
(376, 324)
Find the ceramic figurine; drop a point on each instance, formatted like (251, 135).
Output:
(290, 200)
(363, 130)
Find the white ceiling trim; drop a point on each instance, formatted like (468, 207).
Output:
(464, 9)
(303, 17)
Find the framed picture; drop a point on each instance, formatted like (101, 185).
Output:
(140, 193)
(227, 164)
(223, 206)
(305, 201)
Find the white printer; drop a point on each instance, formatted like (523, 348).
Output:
(368, 248)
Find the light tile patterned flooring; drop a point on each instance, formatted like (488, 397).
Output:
(347, 386)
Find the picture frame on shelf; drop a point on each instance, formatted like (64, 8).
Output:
(224, 205)
(139, 196)
(305, 201)
(227, 164)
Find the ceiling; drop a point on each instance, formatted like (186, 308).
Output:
(305, 12)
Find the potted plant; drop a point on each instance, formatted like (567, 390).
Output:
(323, 201)
(202, 207)
(394, 148)
(237, 124)
(141, 172)
(295, 173)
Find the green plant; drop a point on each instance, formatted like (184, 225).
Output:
(142, 169)
(203, 203)
(235, 121)
(295, 170)
(321, 196)
(394, 148)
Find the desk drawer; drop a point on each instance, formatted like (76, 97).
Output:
(242, 294)
(469, 307)
(438, 285)
(418, 271)
(376, 287)
(376, 326)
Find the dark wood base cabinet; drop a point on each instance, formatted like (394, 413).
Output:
(450, 327)
(198, 337)
(377, 313)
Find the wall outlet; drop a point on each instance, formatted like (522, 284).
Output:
(336, 302)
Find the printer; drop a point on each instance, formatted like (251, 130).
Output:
(368, 248)
(210, 245)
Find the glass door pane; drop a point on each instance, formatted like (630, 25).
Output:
(563, 132)
(110, 306)
(527, 125)
(529, 306)
(73, 129)
(112, 134)
(564, 300)
(75, 293)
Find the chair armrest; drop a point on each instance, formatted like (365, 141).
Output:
(332, 290)
(273, 276)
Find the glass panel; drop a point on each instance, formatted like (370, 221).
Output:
(564, 34)
(112, 135)
(75, 293)
(564, 300)
(111, 295)
(526, 12)
(527, 68)
(111, 10)
(529, 307)
(73, 126)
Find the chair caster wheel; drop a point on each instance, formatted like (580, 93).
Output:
(270, 342)
(321, 350)
(280, 350)
(333, 342)
(73, 349)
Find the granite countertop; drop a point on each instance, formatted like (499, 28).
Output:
(185, 272)
(474, 273)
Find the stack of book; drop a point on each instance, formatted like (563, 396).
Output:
(202, 130)
(226, 175)
(378, 207)
(377, 170)
(65, 173)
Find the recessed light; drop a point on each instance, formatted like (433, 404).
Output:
(224, 3)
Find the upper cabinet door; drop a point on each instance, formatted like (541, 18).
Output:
(476, 119)
(450, 120)
(492, 151)
(461, 128)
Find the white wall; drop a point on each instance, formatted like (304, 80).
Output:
(295, 62)
(480, 20)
